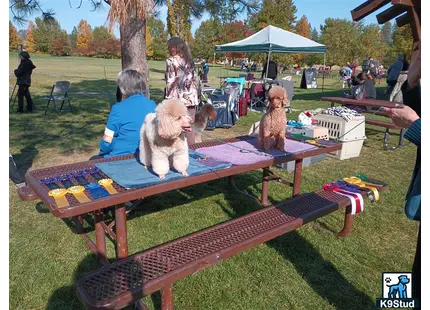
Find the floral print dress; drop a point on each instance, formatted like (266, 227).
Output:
(180, 81)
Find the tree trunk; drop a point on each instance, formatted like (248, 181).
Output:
(133, 48)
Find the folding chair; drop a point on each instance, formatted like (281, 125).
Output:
(257, 95)
(59, 93)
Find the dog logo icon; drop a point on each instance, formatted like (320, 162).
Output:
(399, 290)
(397, 285)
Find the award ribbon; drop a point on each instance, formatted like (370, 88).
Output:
(59, 196)
(78, 192)
(50, 182)
(107, 183)
(359, 182)
(357, 203)
(96, 190)
(79, 176)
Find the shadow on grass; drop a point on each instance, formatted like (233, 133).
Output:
(309, 263)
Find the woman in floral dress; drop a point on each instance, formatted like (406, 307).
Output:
(180, 78)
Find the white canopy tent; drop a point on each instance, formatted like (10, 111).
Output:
(273, 40)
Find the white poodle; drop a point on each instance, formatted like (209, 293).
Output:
(162, 140)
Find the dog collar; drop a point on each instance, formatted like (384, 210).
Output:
(96, 190)
(78, 192)
(107, 183)
(59, 195)
(359, 182)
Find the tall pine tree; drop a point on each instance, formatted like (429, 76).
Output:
(279, 13)
(387, 33)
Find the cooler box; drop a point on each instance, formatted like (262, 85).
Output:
(243, 106)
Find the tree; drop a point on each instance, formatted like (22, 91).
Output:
(149, 50)
(233, 32)
(314, 59)
(314, 35)
(387, 33)
(159, 38)
(279, 13)
(14, 39)
(44, 32)
(206, 37)
(84, 34)
(60, 45)
(371, 44)
(402, 41)
(303, 28)
(101, 33)
(73, 37)
(31, 43)
(342, 39)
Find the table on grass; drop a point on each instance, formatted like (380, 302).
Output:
(76, 210)
(377, 106)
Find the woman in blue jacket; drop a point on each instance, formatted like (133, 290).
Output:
(126, 117)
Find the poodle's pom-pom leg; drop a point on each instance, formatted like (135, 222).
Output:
(181, 161)
(160, 164)
(144, 148)
(267, 143)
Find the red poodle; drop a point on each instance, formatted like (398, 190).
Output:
(274, 122)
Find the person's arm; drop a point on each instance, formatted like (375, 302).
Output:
(413, 133)
(20, 70)
(111, 132)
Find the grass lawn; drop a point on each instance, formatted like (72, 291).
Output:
(306, 269)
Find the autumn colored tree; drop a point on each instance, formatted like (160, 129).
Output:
(14, 39)
(371, 43)
(60, 45)
(233, 32)
(84, 34)
(302, 28)
(30, 38)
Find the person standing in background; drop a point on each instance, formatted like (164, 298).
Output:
(180, 79)
(23, 74)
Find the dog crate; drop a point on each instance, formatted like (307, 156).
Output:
(316, 132)
(350, 133)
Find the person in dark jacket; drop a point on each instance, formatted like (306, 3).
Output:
(405, 63)
(23, 74)
(410, 117)
(272, 72)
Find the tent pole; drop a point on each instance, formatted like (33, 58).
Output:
(322, 90)
(268, 60)
(213, 71)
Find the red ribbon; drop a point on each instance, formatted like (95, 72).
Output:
(356, 199)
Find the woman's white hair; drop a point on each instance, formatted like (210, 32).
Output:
(131, 82)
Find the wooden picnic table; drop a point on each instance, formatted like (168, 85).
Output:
(76, 210)
(374, 103)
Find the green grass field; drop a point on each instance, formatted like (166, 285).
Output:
(307, 269)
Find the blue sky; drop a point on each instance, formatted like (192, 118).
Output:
(315, 10)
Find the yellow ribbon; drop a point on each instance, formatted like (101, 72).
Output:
(78, 192)
(107, 183)
(360, 183)
(59, 195)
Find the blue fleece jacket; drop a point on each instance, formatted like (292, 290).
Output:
(122, 131)
(413, 197)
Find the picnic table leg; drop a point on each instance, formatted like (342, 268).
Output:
(121, 231)
(347, 224)
(167, 297)
(265, 188)
(100, 235)
(297, 177)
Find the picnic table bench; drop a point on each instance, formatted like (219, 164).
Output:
(374, 103)
(131, 277)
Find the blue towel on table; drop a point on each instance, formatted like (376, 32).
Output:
(130, 173)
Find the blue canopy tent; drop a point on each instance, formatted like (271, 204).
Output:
(273, 40)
